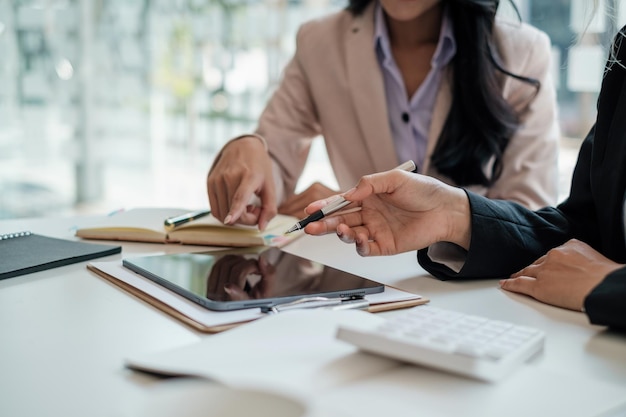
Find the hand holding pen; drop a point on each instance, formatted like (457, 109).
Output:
(339, 203)
(398, 213)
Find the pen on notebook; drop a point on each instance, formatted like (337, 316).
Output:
(339, 204)
(172, 222)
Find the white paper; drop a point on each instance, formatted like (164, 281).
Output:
(294, 352)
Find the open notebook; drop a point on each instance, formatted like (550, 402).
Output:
(147, 225)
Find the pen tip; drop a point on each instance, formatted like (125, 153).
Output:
(292, 229)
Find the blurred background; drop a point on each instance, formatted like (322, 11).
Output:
(111, 104)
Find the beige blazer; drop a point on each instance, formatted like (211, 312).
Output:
(333, 87)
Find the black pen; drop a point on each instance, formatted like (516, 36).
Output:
(339, 203)
(172, 222)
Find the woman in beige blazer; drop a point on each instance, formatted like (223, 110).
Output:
(490, 125)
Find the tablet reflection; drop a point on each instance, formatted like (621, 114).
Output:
(272, 273)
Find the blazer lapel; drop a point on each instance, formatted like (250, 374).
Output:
(368, 91)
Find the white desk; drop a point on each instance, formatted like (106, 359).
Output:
(65, 332)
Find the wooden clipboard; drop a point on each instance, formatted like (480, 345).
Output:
(188, 320)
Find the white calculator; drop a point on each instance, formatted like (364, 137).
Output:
(465, 344)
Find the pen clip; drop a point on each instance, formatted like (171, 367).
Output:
(335, 206)
(340, 303)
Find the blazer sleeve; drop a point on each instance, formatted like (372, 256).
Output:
(606, 304)
(290, 121)
(530, 161)
(506, 237)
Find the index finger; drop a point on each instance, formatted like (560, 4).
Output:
(320, 204)
(243, 193)
(521, 285)
(530, 269)
(379, 183)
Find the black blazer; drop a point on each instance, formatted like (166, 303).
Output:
(506, 237)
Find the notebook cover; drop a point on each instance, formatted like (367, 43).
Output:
(25, 252)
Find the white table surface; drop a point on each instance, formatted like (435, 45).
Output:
(65, 332)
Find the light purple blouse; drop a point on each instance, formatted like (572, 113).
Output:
(409, 119)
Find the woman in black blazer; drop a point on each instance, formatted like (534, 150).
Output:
(573, 255)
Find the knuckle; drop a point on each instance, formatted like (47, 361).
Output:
(553, 253)
(232, 176)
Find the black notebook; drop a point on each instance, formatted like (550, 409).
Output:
(24, 252)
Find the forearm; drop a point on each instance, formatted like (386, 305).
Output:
(505, 237)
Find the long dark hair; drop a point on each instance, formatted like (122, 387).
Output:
(481, 122)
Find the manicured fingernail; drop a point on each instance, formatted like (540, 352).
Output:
(228, 219)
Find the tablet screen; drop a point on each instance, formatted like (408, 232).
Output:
(245, 278)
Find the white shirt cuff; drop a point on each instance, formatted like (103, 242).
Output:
(448, 254)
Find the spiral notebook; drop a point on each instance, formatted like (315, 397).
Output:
(25, 252)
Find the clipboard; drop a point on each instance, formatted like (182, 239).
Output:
(207, 321)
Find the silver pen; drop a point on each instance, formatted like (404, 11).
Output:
(340, 303)
(339, 203)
